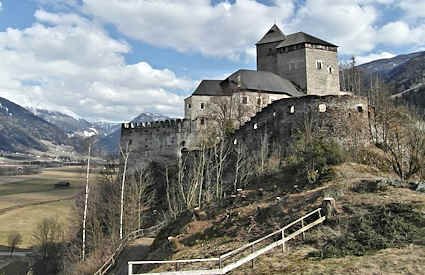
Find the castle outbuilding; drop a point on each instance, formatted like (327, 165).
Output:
(297, 75)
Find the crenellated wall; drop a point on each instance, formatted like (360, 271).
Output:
(159, 141)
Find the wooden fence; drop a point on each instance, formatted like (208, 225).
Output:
(140, 233)
(237, 252)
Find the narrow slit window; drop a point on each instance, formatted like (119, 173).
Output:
(319, 64)
(292, 109)
(202, 106)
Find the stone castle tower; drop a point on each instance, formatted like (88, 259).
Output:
(307, 61)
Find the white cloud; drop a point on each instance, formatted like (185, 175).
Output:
(399, 33)
(224, 30)
(373, 56)
(382, 2)
(412, 8)
(65, 62)
(0, 6)
(343, 22)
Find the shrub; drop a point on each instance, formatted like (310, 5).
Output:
(386, 226)
(310, 161)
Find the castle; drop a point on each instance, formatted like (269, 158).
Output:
(296, 74)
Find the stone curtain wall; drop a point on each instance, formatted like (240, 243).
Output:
(344, 118)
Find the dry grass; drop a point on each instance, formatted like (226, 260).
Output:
(25, 220)
(204, 239)
(408, 260)
(23, 191)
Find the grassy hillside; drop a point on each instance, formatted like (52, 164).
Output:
(379, 228)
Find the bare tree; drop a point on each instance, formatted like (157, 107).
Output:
(13, 240)
(405, 149)
(125, 156)
(85, 205)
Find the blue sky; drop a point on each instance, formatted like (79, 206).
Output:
(111, 60)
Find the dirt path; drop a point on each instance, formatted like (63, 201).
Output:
(5, 210)
(136, 251)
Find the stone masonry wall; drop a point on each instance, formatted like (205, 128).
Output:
(292, 66)
(159, 141)
(322, 82)
(342, 117)
(266, 57)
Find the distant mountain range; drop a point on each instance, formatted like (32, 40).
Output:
(21, 130)
(400, 73)
(75, 126)
(404, 75)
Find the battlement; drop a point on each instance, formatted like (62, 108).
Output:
(169, 123)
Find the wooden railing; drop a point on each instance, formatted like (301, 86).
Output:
(140, 233)
(237, 252)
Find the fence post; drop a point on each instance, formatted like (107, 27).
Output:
(219, 261)
(252, 261)
(302, 226)
(177, 266)
(130, 269)
(283, 240)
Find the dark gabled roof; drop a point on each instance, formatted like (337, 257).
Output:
(210, 87)
(273, 35)
(301, 37)
(264, 81)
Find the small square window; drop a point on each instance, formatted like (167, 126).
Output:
(244, 100)
(202, 121)
(259, 101)
(189, 105)
(202, 106)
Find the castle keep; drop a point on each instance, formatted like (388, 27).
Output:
(296, 75)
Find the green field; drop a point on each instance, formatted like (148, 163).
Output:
(20, 195)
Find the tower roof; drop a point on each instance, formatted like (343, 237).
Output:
(210, 87)
(302, 37)
(273, 35)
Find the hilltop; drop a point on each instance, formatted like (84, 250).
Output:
(379, 227)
